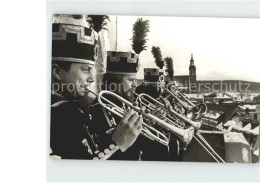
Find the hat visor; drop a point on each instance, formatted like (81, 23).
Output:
(74, 60)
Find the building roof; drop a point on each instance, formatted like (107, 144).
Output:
(231, 123)
(246, 118)
(234, 137)
(222, 97)
(250, 107)
(256, 152)
(212, 115)
(211, 94)
(256, 99)
(254, 131)
(247, 127)
(184, 79)
(228, 111)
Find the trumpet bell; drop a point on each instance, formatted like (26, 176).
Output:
(203, 108)
(201, 111)
(188, 135)
(198, 110)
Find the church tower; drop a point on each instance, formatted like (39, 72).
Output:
(192, 68)
(192, 76)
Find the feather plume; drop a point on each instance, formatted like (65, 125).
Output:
(156, 51)
(169, 66)
(140, 30)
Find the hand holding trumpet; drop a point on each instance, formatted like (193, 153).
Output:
(128, 129)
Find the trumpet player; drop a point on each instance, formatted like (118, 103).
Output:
(153, 86)
(120, 78)
(72, 135)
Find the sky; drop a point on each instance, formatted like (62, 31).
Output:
(222, 48)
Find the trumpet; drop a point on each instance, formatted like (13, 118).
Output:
(198, 111)
(148, 131)
(144, 99)
(178, 119)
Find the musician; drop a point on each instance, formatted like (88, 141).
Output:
(72, 135)
(153, 85)
(120, 78)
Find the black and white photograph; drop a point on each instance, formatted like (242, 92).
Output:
(154, 88)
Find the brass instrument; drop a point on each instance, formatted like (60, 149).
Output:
(198, 111)
(180, 121)
(148, 131)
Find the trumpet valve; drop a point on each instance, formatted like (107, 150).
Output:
(135, 103)
(147, 111)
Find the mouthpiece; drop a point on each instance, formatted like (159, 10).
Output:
(89, 90)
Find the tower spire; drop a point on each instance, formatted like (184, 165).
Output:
(191, 60)
(192, 75)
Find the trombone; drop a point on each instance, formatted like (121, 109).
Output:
(179, 119)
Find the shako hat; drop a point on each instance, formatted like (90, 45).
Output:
(122, 62)
(73, 40)
(151, 74)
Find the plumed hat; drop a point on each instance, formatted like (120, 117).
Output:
(122, 62)
(151, 74)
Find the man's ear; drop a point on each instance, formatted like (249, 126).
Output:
(56, 72)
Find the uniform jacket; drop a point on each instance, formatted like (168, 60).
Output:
(70, 137)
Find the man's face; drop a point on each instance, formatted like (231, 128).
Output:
(127, 86)
(77, 79)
